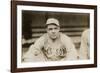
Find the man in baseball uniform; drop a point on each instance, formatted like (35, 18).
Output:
(52, 46)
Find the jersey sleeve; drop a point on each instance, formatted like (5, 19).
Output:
(34, 53)
(70, 47)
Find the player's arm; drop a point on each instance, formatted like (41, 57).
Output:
(34, 53)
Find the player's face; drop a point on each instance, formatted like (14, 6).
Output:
(53, 31)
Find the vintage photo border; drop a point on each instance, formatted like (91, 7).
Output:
(14, 35)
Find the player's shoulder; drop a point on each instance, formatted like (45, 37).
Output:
(66, 39)
(42, 37)
(39, 41)
(64, 36)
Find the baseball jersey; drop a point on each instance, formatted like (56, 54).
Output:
(44, 49)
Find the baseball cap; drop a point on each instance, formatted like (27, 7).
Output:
(52, 20)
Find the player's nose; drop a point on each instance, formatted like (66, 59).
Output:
(53, 31)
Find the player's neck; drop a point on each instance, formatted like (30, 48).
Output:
(54, 40)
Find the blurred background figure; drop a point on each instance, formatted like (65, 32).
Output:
(85, 45)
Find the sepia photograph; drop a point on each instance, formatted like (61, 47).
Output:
(53, 36)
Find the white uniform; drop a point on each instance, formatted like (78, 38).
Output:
(45, 49)
(85, 45)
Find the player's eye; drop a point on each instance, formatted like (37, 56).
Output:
(50, 28)
(56, 28)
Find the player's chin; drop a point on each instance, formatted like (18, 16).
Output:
(54, 37)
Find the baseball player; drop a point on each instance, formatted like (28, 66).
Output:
(52, 46)
(85, 45)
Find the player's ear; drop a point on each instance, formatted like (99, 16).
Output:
(59, 28)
